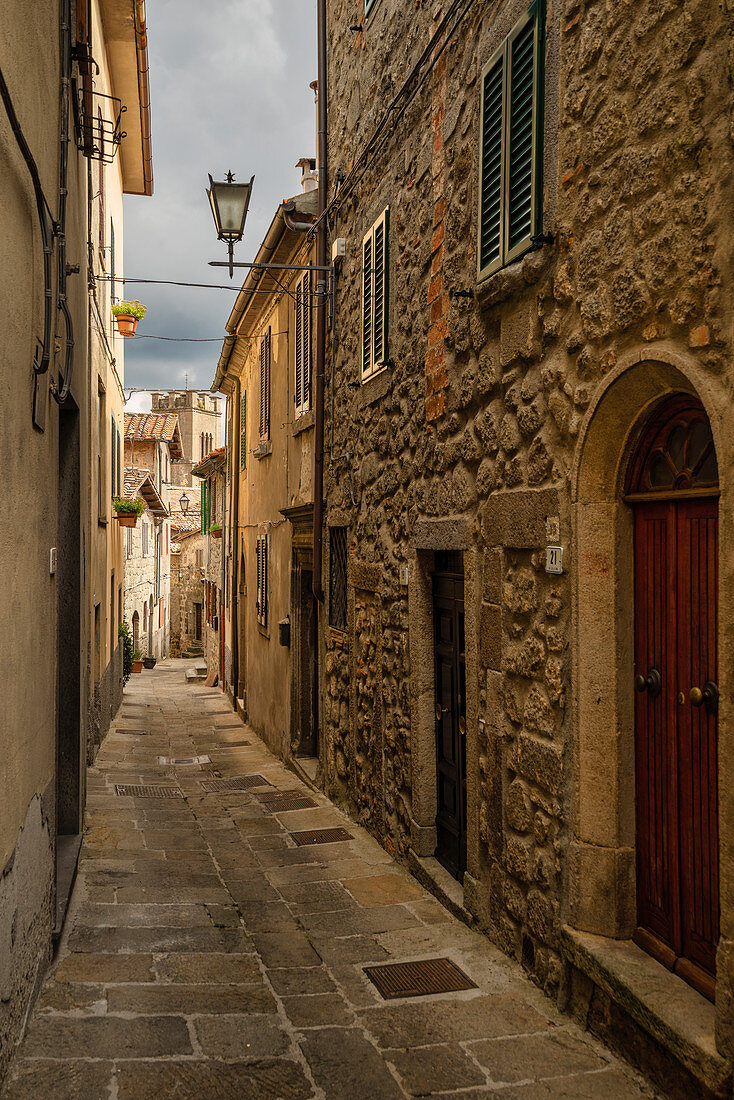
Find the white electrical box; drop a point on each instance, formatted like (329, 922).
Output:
(404, 576)
(52, 561)
(338, 249)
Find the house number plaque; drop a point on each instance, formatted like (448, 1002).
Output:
(554, 559)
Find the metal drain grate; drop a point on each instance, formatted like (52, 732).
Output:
(320, 836)
(418, 979)
(298, 802)
(276, 796)
(138, 733)
(184, 760)
(236, 783)
(147, 791)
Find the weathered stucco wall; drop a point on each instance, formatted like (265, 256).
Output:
(479, 410)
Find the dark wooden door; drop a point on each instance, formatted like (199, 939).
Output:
(197, 622)
(307, 739)
(676, 740)
(450, 696)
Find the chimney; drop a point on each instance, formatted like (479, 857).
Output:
(309, 176)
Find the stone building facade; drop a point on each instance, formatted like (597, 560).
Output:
(475, 702)
(188, 547)
(212, 472)
(147, 568)
(61, 396)
(200, 423)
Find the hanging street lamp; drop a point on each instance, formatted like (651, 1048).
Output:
(184, 502)
(229, 202)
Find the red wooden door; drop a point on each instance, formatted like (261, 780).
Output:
(676, 735)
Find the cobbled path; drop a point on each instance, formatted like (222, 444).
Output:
(205, 955)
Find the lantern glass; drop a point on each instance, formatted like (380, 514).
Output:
(184, 502)
(229, 202)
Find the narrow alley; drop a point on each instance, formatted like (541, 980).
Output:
(215, 949)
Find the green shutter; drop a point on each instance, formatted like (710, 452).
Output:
(202, 510)
(243, 431)
(367, 305)
(490, 216)
(380, 285)
(520, 135)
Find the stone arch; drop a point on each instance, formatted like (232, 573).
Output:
(601, 896)
(136, 631)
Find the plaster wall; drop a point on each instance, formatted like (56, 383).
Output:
(278, 475)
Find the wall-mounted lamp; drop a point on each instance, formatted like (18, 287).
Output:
(229, 202)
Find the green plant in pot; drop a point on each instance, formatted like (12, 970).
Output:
(128, 510)
(216, 530)
(137, 661)
(127, 315)
(123, 633)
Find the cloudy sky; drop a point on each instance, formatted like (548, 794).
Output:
(229, 89)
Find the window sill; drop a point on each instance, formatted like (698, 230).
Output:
(304, 422)
(263, 449)
(659, 1002)
(263, 631)
(375, 388)
(515, 276)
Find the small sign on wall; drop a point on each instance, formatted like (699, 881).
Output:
(554, 559)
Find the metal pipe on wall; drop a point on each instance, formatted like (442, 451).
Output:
(318, 463)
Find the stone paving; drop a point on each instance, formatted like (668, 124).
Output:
(205, 955)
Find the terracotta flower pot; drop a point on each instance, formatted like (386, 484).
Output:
(137, 666)
(127, 519)
(126, 324)
(216, 534)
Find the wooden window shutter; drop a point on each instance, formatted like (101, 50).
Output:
(264, 601)
(298, 395)
(522, 57)
(243, 431)
(375, 285)
(302, 395)
(367, 306)
(491, 182)
(510, 133)
(265, 386)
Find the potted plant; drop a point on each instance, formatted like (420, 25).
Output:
(127, 315)
(128, 510)
(149, 662)
(123, 632)
(216, 530)
(137, 661)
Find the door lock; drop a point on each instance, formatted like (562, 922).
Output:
(652, 683)
(707, 696)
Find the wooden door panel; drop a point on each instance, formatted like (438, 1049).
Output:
(697, 538)
(658, 899)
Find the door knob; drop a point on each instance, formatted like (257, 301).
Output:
(707, 696)
(652, 683)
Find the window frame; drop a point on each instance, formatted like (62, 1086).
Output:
(243, 430)
(261, 585)
(334, 580)
(375, 364)
(534, 14)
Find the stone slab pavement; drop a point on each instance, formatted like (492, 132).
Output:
(205, 955)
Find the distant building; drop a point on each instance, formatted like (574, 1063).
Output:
(212, 474)
(199, 422)
(147, 567)
(188, 547)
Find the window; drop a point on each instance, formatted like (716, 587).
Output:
(212, 495)
(144, 528)
(338, 577)
(129, 548)
(199, 559)
(204, 508)
(375, 296)
(261, 598)
(303, 344)
(201, 448)
(510, 165)
(243, 431)
(265, 386)
(101, 465)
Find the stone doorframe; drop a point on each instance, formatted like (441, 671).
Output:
(601, 897)
(447, 533)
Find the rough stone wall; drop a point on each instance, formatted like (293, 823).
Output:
(637, 193)
(105, 704)
(187, 589)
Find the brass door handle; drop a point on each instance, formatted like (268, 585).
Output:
(707, 696)
(439, 711)
(652, 683)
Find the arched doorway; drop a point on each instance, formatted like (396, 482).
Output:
(672, 487)
(150, 626)
(136, 632)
